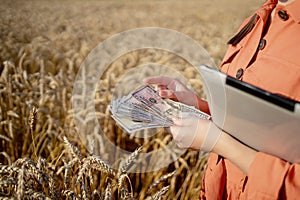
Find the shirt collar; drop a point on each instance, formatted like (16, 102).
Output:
(266, 9)
(294, 10)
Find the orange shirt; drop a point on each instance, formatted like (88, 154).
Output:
(268, 57)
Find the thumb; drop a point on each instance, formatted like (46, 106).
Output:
(187, 119)
(158, 80)
(177, 121)
(182, 121)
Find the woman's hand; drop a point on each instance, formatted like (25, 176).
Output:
(195, 133)
(173, 89)
(202, 134)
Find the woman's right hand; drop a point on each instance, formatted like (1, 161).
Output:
(173, 89)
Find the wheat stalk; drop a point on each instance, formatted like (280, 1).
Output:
(73, 149)
(94, 162)
(32, 118)
(90, 175)
(3, 137)
(66, 177)
(159, 195)
(70, 194)
(33, 171)
(69, 165)
(84, 191)
(54, 191)
(122, 186)
(6, 198)
(96, 195)
(6, 169)
(160, 180)
(31, 194)
(21, 187)
(41, 164)
(32, 122)
(124, 165)
(108, 192)
(8, 182)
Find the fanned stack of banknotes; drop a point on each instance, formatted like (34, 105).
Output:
(144, 108)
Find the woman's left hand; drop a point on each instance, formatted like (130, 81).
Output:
(195, 133)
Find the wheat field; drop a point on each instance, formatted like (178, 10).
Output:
(42, 46)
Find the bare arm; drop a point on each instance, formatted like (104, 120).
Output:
(228, 147)
(239, 154)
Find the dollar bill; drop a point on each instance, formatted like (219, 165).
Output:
(144, 108)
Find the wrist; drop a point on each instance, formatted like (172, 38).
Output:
(235, 151)
(213, 134)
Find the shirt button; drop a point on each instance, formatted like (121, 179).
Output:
(283, 15)
(262, 44)
(239, 73)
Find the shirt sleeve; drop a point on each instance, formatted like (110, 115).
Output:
(270, 177)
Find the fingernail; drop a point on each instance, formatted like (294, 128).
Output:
(165, 93)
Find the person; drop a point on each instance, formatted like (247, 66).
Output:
(265, 53)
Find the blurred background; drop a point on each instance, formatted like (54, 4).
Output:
(71, 27)
(42, 45)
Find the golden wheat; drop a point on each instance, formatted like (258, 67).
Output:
(160, 180)
(42, 46)
(159, 194)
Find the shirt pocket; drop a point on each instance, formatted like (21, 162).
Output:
(276, 75)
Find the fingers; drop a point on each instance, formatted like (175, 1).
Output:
(167, 94)
(159, 80)
(163, 84)
(175, 132)
(183, 134)
(184, 121)
(177, 121)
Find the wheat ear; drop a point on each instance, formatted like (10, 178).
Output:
(122, 189)
(124, 166)
(73, 149)
(94, 162)
(96, 195)
(6, 169)
(108, 192)
(31, 122)
(159, 195)
(21, 187)
(70, 194)
(163, 178)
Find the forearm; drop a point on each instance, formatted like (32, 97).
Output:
(233, 150)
